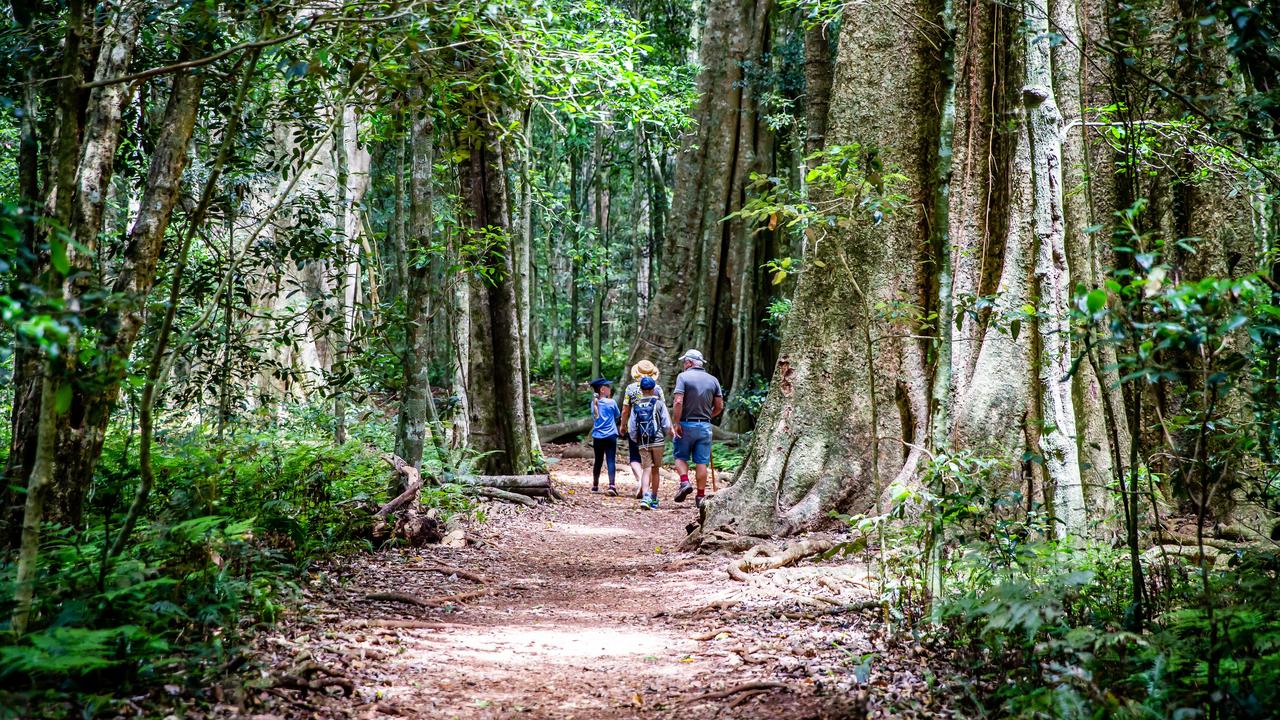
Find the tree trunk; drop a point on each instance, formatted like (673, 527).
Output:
(81, 430)
(697, 293)
(1057, 431)
(412, 426)
(501, 424)
(809, 452)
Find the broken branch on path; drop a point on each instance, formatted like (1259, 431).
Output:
(410, 599)
(759, 558)
(397, 624)
(751, 687)
(503, 495)
(448, 570)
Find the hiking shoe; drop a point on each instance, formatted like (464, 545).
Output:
(595, 488)
(653, 504)
(683, 492)
(646, 504)
(698, 501)
(613, 491)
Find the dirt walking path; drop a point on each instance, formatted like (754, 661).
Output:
(586, 609)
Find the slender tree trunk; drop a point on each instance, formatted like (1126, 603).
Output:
(412, 425)
(695, 304)
(1057, 409)
(81, 430)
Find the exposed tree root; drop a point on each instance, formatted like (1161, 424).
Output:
(757, 558)
(752, 687)
(449, 570)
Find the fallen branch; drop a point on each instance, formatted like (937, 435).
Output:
(509, 482)
(448, 570)
(503, 495)
(412, 486)
(409, 599)
(758, 686)
(568, 428)
(396, 624)
(711, 634)
(756, 559)
(321, 679)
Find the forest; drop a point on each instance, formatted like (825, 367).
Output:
(322, 323)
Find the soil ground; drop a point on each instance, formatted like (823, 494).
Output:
(591, 611)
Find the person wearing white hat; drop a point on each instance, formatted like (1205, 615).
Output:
(699, 398)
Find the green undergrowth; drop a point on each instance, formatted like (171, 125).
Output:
(1046, 626)
(234, 528)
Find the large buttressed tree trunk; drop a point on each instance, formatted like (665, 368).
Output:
(1001, 188)
(846, 376)
(707, 259)
(500, 411)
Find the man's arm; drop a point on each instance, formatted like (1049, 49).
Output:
(626, 413)
(717, 406)
(676, 414)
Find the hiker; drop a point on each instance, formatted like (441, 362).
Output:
(640, 370)
(649, 425)
(604, 433)
(698, 399)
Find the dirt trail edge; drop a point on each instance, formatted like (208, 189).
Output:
(586, 609)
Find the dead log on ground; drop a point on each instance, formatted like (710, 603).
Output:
(567, 429)
(410, 525)
(496, 494)
(509, 482)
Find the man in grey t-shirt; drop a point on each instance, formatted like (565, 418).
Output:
(698, 399)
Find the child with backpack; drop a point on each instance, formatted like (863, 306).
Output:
(648, 427)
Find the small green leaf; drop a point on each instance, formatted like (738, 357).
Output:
(1015, 327)
(779, 276)
(58, 254)
(62, 399)
(1096, 300)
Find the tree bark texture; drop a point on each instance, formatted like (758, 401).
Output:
(842, 366)
(499, 408)
(698, 292)
(994, 236)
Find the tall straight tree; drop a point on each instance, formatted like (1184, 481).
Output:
(500, 410)
(706, 259)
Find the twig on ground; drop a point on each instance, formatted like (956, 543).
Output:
(448, 570)
(711, 634)
(427, 602)
(398, 624)
(758, 686)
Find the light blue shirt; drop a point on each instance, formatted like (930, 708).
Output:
(606, 420)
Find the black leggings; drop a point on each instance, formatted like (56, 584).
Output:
(606, 452)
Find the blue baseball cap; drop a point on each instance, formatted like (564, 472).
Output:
(648, 383)
(600, 382)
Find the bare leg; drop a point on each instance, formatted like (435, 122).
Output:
(702, 478)
(654, 468)
(682, 468)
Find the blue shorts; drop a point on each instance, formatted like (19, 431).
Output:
(694, 444)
